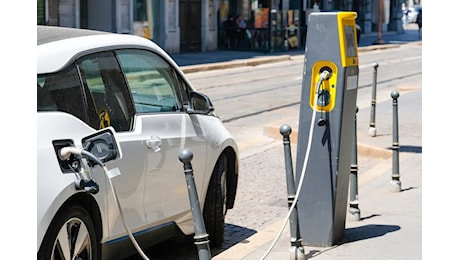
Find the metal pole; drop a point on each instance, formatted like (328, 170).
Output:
(201, 237)
(296, 250)
(355, 212)
(372, 131)
(395, 181)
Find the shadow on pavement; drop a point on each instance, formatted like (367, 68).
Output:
(410, 149)
(233, 235)
(184, 248)
(357, 234)
(367, 232)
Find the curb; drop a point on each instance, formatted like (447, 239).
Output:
(378, 47)
(234, 64)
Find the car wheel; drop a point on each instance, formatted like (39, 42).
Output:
(71, 235)
(215, 203)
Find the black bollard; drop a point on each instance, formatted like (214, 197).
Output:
(201, 237)
(296, 250)
(395, 181)
(372, 131)
(355, 212)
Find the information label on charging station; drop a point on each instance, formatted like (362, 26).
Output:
(327, 109)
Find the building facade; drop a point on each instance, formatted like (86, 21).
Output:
(200, 25)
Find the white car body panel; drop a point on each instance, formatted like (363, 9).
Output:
(140, 167)
(51, 197)
(71, 127)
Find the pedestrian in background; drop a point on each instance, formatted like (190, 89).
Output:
(419, 22)
(406, 12)
(231, 32)
(241, 22)
(244, 34)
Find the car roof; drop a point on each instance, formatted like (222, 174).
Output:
(59, 46)
(46, 34)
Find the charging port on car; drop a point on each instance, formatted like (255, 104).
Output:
(70, 165)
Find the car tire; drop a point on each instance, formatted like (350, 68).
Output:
(215, 203)
(71, 235)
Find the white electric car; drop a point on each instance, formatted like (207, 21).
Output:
(88, 81)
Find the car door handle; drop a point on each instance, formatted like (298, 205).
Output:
(154, 143)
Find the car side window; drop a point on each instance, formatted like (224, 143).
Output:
(106, 84)
(151, 80)
(61, 91)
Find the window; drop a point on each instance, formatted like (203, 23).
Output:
(151, 80)
(106, 84)
(41, 12)
(61, 92)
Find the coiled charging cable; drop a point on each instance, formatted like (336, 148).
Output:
(323, 76)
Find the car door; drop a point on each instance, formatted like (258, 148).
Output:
(107, 90)
(162, 129)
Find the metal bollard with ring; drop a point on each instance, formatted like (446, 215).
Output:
(372, 131)
(395, 177)
(201, 237)
(354, 211)
(297, 251)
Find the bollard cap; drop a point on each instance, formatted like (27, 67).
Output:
(185, 155)
(285, 130)
(394, 94)
(376, 65)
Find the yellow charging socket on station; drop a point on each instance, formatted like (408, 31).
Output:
(327, 90)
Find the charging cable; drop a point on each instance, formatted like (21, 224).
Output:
(65, 154)
(323, 76)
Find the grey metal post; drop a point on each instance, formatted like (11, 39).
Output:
(395, 181)
(296, 250)
(372, 131)
(201, 237)
(355, 212)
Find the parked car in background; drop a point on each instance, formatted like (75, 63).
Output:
(412, 13)
(90, 80)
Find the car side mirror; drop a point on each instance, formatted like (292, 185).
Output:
(200, 104)
(103, 145)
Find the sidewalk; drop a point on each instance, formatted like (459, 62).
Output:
(391, 222)
(220, 59)
(390, 225)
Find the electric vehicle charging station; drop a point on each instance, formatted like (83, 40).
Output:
(326, 122)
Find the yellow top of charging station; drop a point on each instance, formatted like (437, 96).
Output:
(348, 40)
